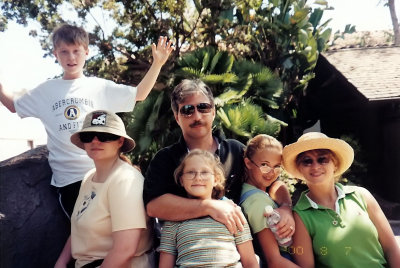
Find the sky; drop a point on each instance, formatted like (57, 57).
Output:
(22, 65)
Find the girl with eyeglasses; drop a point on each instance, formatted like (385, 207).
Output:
(109, 225)
(263, 159)
(203, 242)
(336, 225)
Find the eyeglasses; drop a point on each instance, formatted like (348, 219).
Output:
(308, 161)
(188, 110)
(190, 175)
(87, 137)
(264, 168)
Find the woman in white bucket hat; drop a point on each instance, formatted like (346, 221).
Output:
(109, 225)
(336, 225)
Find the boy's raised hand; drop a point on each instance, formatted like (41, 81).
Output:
(160, 56)
(162, 51)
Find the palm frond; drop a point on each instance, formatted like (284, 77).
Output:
(189, 72)
(229, 96)
(222, 63)
(139, 119)
(224, 78)
(256, 80)
(246, 120)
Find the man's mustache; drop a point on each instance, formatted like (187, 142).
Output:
(196, 123)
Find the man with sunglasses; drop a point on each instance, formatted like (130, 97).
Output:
(193, 105)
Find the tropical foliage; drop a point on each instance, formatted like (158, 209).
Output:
(258, 56)
(237, 87)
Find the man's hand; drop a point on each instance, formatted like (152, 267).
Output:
(227, 213)
(286, 226)
(162, 50)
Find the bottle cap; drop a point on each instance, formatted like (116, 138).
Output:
(268, 209)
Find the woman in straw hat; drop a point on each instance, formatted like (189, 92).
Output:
(336, 225)
(109, 226)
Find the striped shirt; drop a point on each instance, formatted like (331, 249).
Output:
(202, 242)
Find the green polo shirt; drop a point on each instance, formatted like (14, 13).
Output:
(343, 238)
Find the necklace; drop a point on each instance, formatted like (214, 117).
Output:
(334, 221)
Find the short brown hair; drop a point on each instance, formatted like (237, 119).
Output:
(215, 164)
(71, 35)
(187, 88)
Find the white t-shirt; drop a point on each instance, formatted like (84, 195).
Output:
(103, 208)
(62, 105)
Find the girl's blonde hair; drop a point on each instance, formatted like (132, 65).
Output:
(259, 143)
(214, 163)
(262, 142)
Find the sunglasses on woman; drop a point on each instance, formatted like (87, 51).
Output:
(87, 137)
(188, 110)
(322, 160)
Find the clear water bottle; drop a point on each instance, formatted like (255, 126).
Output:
(272, 219)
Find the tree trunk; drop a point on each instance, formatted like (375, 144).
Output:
(395, 22)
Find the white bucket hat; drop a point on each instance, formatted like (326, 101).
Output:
(316, 140)
(107, 122)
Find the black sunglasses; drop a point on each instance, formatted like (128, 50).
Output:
(322, 160)
(87, 137)
(188, 110)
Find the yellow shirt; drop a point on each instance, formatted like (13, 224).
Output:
(103, 208)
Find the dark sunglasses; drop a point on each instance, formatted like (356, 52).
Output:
(87, 137)
(188, 110)
(322, 160)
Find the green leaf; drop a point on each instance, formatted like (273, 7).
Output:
(206, 61)
(298, 16)
(229, 96)
(222, 115)
(321, 2)
(315, 17)
(246, 120)
(326, 35)
(215, 60)
(303, 37)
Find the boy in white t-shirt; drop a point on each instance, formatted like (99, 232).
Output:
(62, 104)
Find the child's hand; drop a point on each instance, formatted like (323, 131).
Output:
(162, 50)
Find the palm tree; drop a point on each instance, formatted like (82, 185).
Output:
(244, 93)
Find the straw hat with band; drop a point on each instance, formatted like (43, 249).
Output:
(316, 140)
(107, 122)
